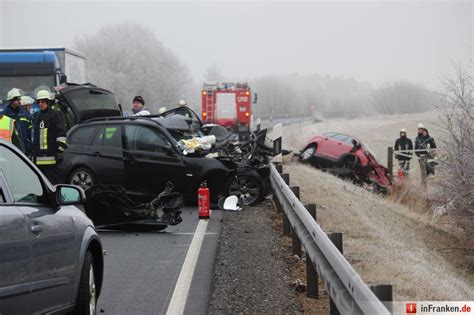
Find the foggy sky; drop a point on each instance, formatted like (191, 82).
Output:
(375, 41)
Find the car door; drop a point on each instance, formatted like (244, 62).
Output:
(53, 254)
(149, 164)
(15, 251)
(108, 164)
(338, 146)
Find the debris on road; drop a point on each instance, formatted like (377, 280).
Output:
(112, 205)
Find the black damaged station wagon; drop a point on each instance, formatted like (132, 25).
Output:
(141, 155)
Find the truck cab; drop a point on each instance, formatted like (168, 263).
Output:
(29, 68)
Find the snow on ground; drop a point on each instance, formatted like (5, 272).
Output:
(385, 242)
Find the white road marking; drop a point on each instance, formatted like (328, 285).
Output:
(190, 233)
(181, 290)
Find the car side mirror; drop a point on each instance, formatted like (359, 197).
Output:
(70, 195)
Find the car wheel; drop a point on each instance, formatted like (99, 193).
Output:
(308, 153)
(248, 187)
(87, 294)
(83, 178)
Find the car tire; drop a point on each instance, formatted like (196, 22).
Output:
(307, 153)
(86, 302)
(82, 177)
(247, 186)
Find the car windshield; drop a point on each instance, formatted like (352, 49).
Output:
(26, 83)
(25, 185)
(366, 148)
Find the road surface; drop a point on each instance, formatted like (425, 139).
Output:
(142, 268)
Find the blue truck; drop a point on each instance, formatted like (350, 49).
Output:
(29, 68)
(62, 71)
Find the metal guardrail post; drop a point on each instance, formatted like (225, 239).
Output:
(312, 277)
(390, 161)
(423, 161)
(295, 241)
(286, 225)
(311, 207)
(286, 222)
(336, 239)
(385, 294)
(348, 291)
(279, 168)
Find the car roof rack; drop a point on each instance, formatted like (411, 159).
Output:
(116, 118)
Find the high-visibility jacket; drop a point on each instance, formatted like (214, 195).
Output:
(9, 132)
(24, 125)
(7, 128)
(49, 137)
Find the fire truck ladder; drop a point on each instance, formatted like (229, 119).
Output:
(210, 106)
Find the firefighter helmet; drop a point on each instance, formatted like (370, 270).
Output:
(182, 103)
(421, 126)
(26, 100)
(44, 95)
(13, 93)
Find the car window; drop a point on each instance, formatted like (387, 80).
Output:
(146, 139)
(340, 137)
(24, 183)
(329, 134)
(130, 132)
(109, 136)
(82, 135)
(93, 99)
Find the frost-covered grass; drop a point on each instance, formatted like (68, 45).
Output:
(388, 243)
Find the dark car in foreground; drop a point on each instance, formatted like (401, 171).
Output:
(51, 257)
(140, 154)
(347, 156)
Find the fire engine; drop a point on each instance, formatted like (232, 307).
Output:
(229, 105)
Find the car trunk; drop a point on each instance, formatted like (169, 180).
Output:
(90, 102)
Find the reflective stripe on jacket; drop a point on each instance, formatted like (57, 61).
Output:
(49, 130)
(7, 127)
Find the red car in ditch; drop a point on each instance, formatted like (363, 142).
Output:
(346, 156)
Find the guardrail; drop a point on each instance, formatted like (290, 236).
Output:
(324, 258)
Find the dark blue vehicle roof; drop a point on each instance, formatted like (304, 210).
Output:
(46, 56)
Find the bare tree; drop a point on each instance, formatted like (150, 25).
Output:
(457, 114)
(403, 97)
(129, 60)
(213, 74)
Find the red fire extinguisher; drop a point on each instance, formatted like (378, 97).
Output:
(203, 201)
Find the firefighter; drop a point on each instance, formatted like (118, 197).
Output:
(23, 119)
(182, 110)
(49, 137)
(8, 131)
(404, 145)
(423, 143)
(139, 108)
(27, 103)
